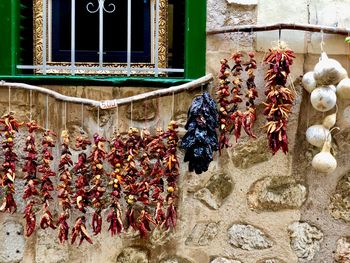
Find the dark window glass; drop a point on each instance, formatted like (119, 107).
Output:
(114, 34)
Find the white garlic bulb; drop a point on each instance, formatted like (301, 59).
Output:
(343, 89)
(323, 98)
(317, 135)
(330, 121)
(309, 82)
(324, 161)
(329, 71)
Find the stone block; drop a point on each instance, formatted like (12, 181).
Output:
(215, 191)
(276, 193)
(202, 234)
(248, 237)
(305, 239)
(12, 242)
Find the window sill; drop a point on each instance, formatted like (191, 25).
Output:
(97, 81)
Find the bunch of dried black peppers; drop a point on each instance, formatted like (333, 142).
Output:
(201, 140)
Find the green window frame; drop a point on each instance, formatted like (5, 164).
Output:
(194, 53)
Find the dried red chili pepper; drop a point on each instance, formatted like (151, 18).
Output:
(143, 223)
(47, 220)
(30, 218)
(79, 229)
(96, 158)
(279, 98)
(63, 227)
(11, 126)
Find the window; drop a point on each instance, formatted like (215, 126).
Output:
(157, 38)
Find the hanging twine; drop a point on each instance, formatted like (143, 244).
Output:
(172, 106)
(158, 115)
(47, 113)
(65, 115)
(131, 117)
(98, 119)
(82, 116)
(117, 124)
(30, 104)
(9, 98)
(322, 44)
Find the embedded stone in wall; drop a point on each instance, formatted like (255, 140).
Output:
(270, 260)
(305, 239)
(276, 193)
(248, 237)
(142, 111)
(202, 234)
(48, 248)
(339, 206)
(243, 2)
(342, 253)
(133, 254)
(175, 259)
(247, 154)
(12, 242)
(216, 190)
(224, 260)
(159, 236)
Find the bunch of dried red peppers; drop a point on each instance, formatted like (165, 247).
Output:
(229, 96)
(277, 106)
(136, 190)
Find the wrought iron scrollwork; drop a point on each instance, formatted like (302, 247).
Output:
(91, 7)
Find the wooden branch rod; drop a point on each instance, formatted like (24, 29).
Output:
(280, 26)
(116, 102)
(158, 93)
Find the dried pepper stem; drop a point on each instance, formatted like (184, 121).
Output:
(280, 99)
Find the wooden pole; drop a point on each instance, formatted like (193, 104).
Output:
(280, 26)
(116, 102)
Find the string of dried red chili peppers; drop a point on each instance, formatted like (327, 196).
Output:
(171, 172)
(64, 188)
(96, 158)
(31, 193)
(116, 159)
(223, 94)
(81, 195)
(46, 185)
(11, 126)
(279, 98)
(249, 115)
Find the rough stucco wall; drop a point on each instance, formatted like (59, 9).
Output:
(250, 207)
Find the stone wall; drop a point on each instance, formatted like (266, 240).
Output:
(250, 207)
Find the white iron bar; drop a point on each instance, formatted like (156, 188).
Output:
(99, 68)
(73, 37)
(101, 8)
(156, 46)
(44, 34)
(128, 52)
